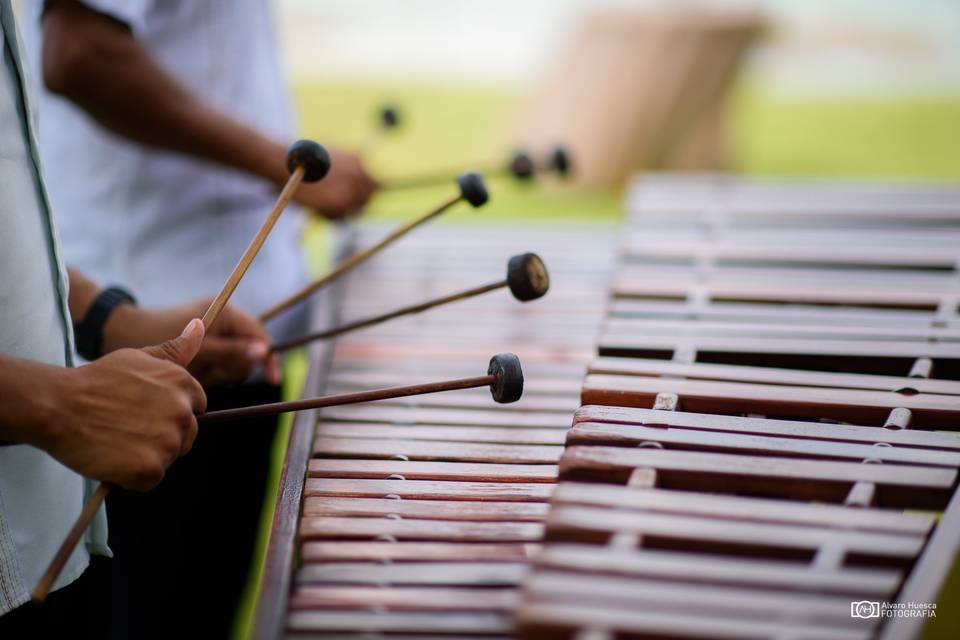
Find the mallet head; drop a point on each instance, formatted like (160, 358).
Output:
(472, 189)
(527, 277)
(311, 156)
(521, 166)
(507, 385)
(389, 116)
(560, 161)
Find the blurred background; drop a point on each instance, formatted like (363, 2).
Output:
(852, 88)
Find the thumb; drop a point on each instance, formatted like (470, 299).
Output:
(182, 349)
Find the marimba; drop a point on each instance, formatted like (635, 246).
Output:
(761, 440)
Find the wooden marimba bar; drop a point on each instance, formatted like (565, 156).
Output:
(768, 434)
(417, 517)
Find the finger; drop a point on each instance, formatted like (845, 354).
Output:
(272, 371)
(195, 393)
(234, 358)
(189, 435)
(236, 322)
(182, 349)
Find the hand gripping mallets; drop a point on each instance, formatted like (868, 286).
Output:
(527, 279)
(472, 190)
(504, 377)
(307, 161)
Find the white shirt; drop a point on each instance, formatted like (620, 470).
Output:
(168, 226)
(39, 497)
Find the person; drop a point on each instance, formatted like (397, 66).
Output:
(121, 419)
(166, 126)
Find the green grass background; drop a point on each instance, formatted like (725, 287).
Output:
(908, 138)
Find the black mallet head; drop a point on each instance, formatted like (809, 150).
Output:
(472, 189)
(560, 161)
(507, 385)
(311, 156)
(521, 166)
(527, 277)
(389, 117)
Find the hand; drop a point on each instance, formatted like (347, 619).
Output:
(345, 190)
(234, 346)
(127, 416)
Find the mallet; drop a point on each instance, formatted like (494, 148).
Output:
(472, 190)
(307, 161)
(521, 166)
(504, 377)
(527, 279)
(560, 162)
(388, 120)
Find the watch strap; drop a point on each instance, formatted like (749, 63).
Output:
(88, 333)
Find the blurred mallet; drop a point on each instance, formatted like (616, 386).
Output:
(527, 279)
(388, 120)
(504, 377)
(472, 190)
(307, 161)
(560, 162)
(522, 167)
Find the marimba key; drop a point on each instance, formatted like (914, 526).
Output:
(677, 566)
(403, 598)
(327, 551)
(461, 573)
(905, 486)
(400, 622)
(444, 415)
(432, 489)
(826, 516)
(373, 449)
(725, 442)
(928, 440)
(335, 527)
(711, 396)
(425, 509)
(444, 433)
(420, 470)
(768, 375)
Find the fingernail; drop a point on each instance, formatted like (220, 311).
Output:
(257, 350)
(192, 327)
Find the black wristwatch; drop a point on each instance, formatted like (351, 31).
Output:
(88, 333)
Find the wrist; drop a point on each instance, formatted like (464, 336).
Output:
(41, 417)
(92, 331)
(122, 328)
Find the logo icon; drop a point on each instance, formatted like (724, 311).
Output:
(864, 609)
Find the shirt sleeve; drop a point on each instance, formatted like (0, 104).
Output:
(131, 12)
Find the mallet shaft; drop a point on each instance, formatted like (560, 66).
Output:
(345, 398)
(354, 260)
(369, 322)
(293, 182)
(429, 180)
(70, 543)
(213, 311)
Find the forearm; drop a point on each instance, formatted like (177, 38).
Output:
(98, 64)
(27, 401)
(126, 326)
(83, 292)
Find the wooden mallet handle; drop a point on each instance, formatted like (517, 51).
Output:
(472, 190)
(70, 543)
(307, 161)
(504, 377)
(527, 279)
